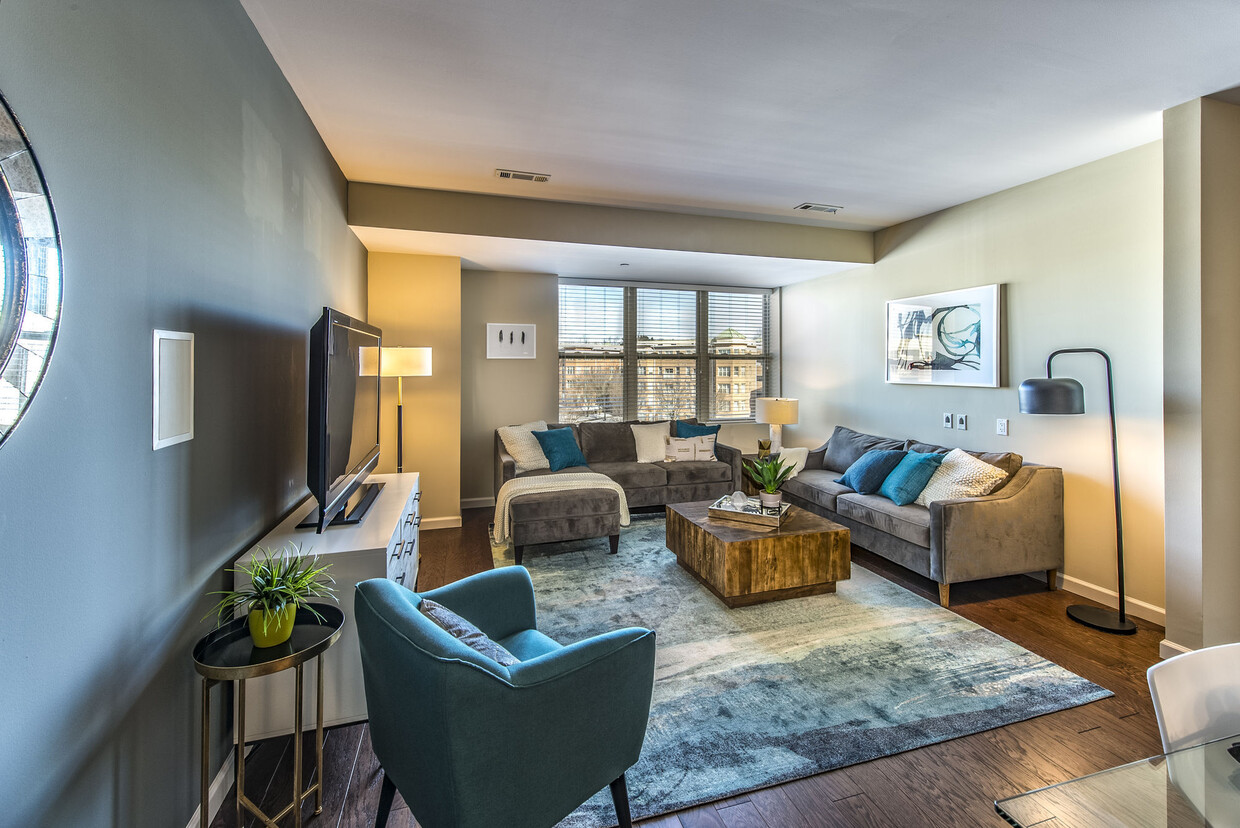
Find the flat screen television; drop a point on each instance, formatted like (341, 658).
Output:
(342, 419)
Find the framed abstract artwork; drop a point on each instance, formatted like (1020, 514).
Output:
(949, 338)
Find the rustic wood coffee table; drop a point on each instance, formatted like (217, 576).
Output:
(744, 564)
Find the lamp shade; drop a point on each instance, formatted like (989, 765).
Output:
(396, 362)
(777, 410)
(1061, 395)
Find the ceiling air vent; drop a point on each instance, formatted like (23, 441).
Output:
(811, 207)
(517, 175)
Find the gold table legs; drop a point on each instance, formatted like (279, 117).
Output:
(299, 796)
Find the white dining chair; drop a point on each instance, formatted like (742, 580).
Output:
(1197, 696)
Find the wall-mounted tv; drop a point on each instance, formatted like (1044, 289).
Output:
(342, 420)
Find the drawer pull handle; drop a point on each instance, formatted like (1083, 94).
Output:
(418, 521)
(409, 519)
(408, 548)
(400, 579)
(396, 553)
(417, 495)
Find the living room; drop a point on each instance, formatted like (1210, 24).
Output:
(194, 193)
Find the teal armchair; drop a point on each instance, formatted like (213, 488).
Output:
(472, 744)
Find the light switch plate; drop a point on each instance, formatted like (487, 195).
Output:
(962, 422)
(1001, 426)
(948, 419)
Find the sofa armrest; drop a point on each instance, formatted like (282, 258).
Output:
(816, 457)
(1018, 529)
(505, 465)
(732, 456)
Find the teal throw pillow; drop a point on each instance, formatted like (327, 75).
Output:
(684, 429)
(560, 447)
(867, 473)
(909, 477)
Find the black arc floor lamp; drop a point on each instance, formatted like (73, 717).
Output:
(1064, 395)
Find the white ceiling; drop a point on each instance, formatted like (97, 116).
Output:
(891, 108)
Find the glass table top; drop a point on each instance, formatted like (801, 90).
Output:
(1197, 786)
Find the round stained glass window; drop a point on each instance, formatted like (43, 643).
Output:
(30, 263)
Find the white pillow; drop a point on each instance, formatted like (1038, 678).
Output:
(520, 442)
(961, 475)
(796, 456)
(649, 438)
(690, 448)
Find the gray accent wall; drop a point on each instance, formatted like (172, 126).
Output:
(193, 194)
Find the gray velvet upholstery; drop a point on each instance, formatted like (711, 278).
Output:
(846, 446)
(633, 475)
(1016, 529)
(689, 472)
(608, 442)
(550, 517)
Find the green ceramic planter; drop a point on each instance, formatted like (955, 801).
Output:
(279, 626)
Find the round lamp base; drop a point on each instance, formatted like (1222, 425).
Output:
(1100, 618)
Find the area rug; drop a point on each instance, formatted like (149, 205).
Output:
(747, 698)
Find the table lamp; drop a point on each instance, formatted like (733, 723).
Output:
(1064, 395)
(778, 412)
(399, 362)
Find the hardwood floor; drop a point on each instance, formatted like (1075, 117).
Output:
(947, 785)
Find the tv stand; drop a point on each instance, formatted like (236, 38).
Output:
(351, 513)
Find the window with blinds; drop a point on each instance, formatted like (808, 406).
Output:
(630, 352)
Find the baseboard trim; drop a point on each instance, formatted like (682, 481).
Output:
(217, 791)
(1167, 649)
(441, 523)
(1111, 598)
(478, 503)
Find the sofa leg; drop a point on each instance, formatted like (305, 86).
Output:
(386, 794)
(518, 552)
(944, 589)
(620, 797)
(614, 540)
(1052, 579)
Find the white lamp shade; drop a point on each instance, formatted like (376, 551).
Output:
(777, 410)
(396, 362)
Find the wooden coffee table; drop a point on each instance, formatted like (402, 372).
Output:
(746, 565)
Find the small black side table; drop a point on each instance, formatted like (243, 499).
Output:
(229, 654)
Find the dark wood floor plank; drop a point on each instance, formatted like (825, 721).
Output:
(946, 785)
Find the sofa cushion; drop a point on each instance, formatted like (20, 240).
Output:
(910, 523)
(687, 472)
(846, 446)
(608, 442)
(961, 475)
(560, 447)
(867, 474)
(817, 486)
(911, 476)
(649, 440)
(634, 475)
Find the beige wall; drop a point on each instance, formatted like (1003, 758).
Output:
(1202, 386)
(1080, 254)
(497, 392)
(416, 300)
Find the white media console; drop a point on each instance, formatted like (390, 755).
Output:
(384, 545)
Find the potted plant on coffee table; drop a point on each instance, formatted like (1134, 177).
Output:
(769, 473)
(280, 581)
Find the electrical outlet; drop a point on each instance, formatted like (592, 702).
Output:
(1001, 426)
(948, 420)
(962, 421)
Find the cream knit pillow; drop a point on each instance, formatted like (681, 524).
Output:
(519, 441)
(649, 438)
(960, 475)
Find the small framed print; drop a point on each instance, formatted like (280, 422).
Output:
(173, 415)
(511, 341)
(949, 338)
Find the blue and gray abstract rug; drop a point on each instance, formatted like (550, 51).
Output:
(746, 698)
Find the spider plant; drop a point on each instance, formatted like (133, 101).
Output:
(278, 579)
(769, 473)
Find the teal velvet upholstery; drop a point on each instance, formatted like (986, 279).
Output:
(471, 744)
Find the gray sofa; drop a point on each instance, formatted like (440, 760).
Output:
(1016, 529)
(610, 449)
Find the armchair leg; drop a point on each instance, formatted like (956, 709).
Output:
(386, 795)
(944, 590)
(518, 552)
(614, 540)
(620, 797)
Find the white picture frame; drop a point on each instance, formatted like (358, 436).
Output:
(948, 338)
(172, 416)
(511, 341)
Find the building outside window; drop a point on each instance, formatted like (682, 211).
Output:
(632, 352)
